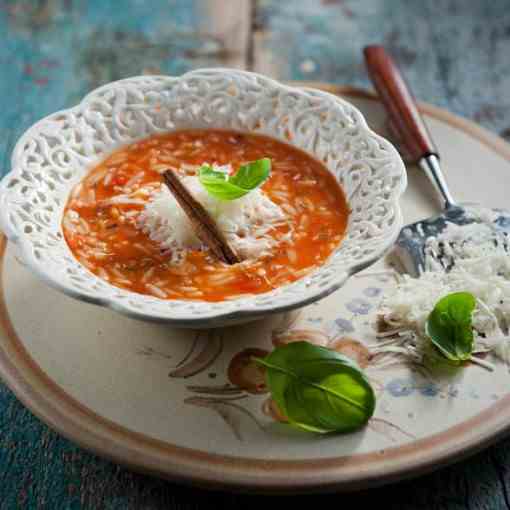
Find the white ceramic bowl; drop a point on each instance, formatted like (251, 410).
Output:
(55, 153)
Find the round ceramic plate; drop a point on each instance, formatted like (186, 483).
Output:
(162, 400)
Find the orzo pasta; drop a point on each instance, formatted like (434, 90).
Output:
(111, 221)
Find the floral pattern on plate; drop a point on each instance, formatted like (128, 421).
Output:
(238, 379)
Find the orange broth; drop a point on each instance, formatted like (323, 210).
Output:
(106, 239)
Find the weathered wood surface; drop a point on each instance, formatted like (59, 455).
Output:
(451, 51)
(454, 54)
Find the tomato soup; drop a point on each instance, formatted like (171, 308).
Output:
(103, 226)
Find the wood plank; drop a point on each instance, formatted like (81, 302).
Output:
(453, 53)
(230, 24)
(56, 50)
(265, 59)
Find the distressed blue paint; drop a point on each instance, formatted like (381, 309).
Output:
(50, 60)
(454, 53)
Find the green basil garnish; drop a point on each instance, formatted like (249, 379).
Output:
(318, 389)
(450, 327)
(225, 187)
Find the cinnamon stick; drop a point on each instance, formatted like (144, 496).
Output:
(203, 225)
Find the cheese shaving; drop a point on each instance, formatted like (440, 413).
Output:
(245, 222)
(481, 266)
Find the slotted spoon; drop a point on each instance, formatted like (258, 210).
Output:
(416, 144)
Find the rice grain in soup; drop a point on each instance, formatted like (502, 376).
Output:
(125, 226)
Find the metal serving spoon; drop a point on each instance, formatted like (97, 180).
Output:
(408, 126)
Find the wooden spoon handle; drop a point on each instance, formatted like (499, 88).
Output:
(399, 103)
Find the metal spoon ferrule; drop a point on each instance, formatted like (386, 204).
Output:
(430, 165)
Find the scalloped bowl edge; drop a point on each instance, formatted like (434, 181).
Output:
(215, 318)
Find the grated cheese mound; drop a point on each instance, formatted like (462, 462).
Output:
(473, 241)
(245, 222)
(487, 279)
(481, 267)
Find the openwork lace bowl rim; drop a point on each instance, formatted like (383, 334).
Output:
(57, 151)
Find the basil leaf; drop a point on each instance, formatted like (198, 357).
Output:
(217, 184)
(318, 389)
(253, 174)
(224, 187)
(450, 327)
(208, 172)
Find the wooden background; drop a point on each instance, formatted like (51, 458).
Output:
(455, 54)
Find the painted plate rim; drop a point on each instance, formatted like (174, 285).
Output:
(49, 402)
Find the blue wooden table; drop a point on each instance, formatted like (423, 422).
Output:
(454, 54)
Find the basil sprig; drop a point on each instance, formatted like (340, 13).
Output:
(450, 327)
(224, 187)
(318, 389)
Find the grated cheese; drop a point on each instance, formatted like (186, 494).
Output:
(481, 267)
(245, 222)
